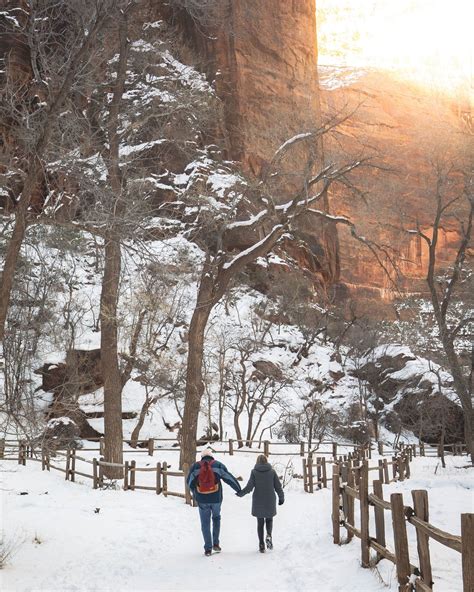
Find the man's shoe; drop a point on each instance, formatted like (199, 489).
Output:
(261, 548)
(208, 552)
(216, 549)
(269, 542)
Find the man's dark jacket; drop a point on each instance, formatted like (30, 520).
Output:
(221, 473)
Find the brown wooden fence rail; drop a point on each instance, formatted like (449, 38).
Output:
(96, 468)
(352, 483)
(9, 448)
(315, 471)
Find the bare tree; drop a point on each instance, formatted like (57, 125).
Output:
(221, 267)
(55, 75)
(443, 291)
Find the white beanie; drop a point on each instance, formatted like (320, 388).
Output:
(207, 452)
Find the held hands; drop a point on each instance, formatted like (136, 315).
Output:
(281, 502)
(239, 494)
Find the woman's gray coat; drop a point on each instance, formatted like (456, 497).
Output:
(264, 481)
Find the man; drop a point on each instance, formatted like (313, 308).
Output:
(204, 481)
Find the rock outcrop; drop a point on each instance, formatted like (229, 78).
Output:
(407, 392)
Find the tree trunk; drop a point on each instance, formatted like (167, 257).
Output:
(468, 432)
(238, 431)
(14, 245)
(194, 381)
(141, 420)
(113, 379)
(113, 434)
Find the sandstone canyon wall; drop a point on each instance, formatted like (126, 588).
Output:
(414, 137)
(266, 64)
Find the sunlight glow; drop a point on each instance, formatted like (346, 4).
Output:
(430, 41)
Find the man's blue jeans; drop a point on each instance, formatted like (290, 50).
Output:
(206, 511)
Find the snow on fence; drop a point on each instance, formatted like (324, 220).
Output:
(350, 483)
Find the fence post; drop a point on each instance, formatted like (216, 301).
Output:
(356, 474)
(394, 467)
(164, 469)
(420, 504)
(43, 460)
(151, 446)
(318, 472)
(310, 473)
(414, 450)
(334, 450)
(336, 533)
(95, 480)
(125, 476)
(400, 540)
(266, 448)
(231, 447)
(407, 466)
(379, 516)
(380, 463)
(324, 472)
(22, 453)
(158, 478)
(68, 463)
(422, 449)
(101, 472)
(350, 502)
(301, 448)
(187, 493)
(72, 472)
(305, 476)
(2, 447)
(380, 447)
(133, 464)
(364, 513)
(467, 535)
(385, 471)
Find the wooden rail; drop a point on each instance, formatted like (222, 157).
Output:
(410, 577)
(315, 470)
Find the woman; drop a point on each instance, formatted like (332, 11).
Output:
(264, 481)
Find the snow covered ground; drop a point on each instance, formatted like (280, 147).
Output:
(138, 541)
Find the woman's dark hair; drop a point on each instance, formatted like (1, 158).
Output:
(261, 459)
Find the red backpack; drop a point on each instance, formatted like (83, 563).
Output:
(207, 482)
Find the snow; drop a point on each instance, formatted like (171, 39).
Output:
(254, 247)
(293, 140)
(126, 150)
(187, 74)
(142, 542)
(222, 182)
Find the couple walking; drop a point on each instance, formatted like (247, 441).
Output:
(205, 482)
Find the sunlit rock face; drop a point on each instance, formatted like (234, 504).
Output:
(263, 59)
(267, 63)
(264, 62)
(413, 138)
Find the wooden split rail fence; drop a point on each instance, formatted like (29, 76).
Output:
(96, 467)
(351, 483)
(315, 470)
